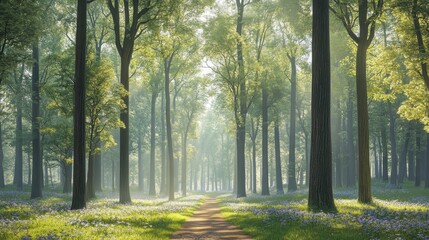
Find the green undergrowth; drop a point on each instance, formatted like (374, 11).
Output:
(396, 213)
(104, 218)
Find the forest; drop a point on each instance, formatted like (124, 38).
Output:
(214, 119)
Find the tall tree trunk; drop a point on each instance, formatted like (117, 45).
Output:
(411, 162)
(279, 178)
(351, 166)
(403, 158)
(36, 186)
(163, 187)
(427, 161)
(320, 196)
(380, 158)
(336, 147)
(291, 170)
(68, 172)
(241, 119)
(18, 176)
(364, 169)
(113, 174)
(97, 167)
(97, 156)
(45, 169)
(184, 160)
(385, 153)
(78, 201)
(394, 169)
(140, 161)
(375, 158)
(307, 159)
(422, 48)
(167, 65)
(2, 182)
(29, 166)
(152, 191)
(208, 173)
(253, 165)
(265, 190)
(344, 146)
(202, 179)
(418, 158)
(90, 189)
(124, 134)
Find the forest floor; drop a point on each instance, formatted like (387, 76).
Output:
(396, 213)
(103, 218)
(208, 223)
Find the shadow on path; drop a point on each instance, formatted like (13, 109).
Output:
(208, 223)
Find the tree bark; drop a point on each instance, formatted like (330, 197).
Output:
(78, 200)
(320, 196)
(97, 167)
(18, 176)
(385, 153)
(336, 147)
(427, 161)
(167, 65)
(403, 158)
(68, 173)
(184, 160)
(163, 187)
(124, 134)
(422, 48)
(394, 169)
(140, 161)
(364, 169)
(265, 190)
(374, 145)
(185, 155)
(291, 170)
(351, 166)
(418, 158)
(90, 189)
(279, 178)
(36, 186)
(2, 183)
(152, 191)
(411, 162)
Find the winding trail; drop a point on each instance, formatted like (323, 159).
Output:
(208, 223)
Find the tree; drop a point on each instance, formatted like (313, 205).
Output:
(78, 200)
(17, 177)
(320, 196)
(137, 15)
(36, 186)
(240, 115)
(420, 42)
(366, 19)
(191, 103)
(103, 102)
(154, 83)
(99, 34)
(279, 182)
(17, 33)
(222, 47)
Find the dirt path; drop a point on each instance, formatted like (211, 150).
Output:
(208, 223)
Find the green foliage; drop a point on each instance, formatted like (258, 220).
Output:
(286, 217)
(104, 218)
(19, 27)
(103, 103)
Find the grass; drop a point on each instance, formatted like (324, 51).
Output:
(104, 218)
(394, 214)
